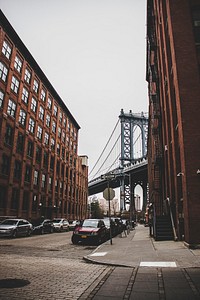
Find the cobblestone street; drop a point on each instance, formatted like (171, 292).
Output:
(50, 265)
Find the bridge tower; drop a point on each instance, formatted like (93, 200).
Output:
(129, 123)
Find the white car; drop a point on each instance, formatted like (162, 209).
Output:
(60, 224)
(15, 227)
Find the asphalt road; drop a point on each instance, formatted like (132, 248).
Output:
(45, 267)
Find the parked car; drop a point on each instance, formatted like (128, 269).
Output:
(45, 226)
(91, 231)
(60, 224)
(15, 227)
(74, 224)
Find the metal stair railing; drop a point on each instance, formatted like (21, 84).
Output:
(172, 220)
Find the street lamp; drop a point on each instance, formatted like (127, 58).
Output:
(109, 194)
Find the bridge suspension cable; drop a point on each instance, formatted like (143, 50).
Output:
(116, 144)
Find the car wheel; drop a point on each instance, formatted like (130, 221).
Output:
(14, 234)
(75, 240)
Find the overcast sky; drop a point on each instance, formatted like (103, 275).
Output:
(93, 52)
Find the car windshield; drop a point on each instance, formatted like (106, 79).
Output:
(90, 223)
(9, 222)
(56, 221)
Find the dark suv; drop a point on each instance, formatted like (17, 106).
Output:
(45, 226)
(91, 231)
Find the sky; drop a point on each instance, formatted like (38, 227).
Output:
(94, 54)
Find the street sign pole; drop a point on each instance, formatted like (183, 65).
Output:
(109, 211)
(109, 194)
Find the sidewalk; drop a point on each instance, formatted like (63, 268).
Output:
(143, 269)
(138, 249)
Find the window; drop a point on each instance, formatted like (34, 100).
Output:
(54, 127)
(60, 117)
(63, 153)
(5, 165)
(45, 159)
(52, 163)
(31, 125)
(55, 110)
(52, 144)
(196, 23)
(58, 149)
(35, 86)
(20, 143)
(63, 136)
(30, 148)
(43, 95)
(49, 103)
(59, 132)
(58, 168)
(38, 154)
(50, 183)
(43, 180)
(35, 179)
(3, 72)
(34, 203)
(46, 138)
(33, 104)
(75, 148)
(3, 196)
(1, 98)
(18, 64)
(25, 200)
(41, 113)
(64, 122)
(9, 135)
(11, 108)
(25, 95)
(15, 198)
(22, 117)
(27, 176)
(48, 120)
(39, 132)
(17, 170)
(15, 84)
(27, 76)
(6, 49)
(68, 126)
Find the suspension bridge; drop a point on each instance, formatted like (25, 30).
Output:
(123, 159)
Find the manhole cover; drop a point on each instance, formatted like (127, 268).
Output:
(11, 283)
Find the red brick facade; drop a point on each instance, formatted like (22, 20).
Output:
(173, 60)
(40, 171)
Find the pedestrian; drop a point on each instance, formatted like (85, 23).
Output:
(128, 227)
(124, 229)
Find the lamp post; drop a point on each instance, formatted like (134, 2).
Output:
(109, 194)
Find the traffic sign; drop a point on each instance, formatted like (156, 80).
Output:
(108, 176)
(108, 194)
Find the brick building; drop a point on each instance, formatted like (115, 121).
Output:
(173, 69)
(40, 171)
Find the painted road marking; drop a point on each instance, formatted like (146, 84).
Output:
(164, 264)
(98, 254)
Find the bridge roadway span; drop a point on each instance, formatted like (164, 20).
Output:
(137, 171)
